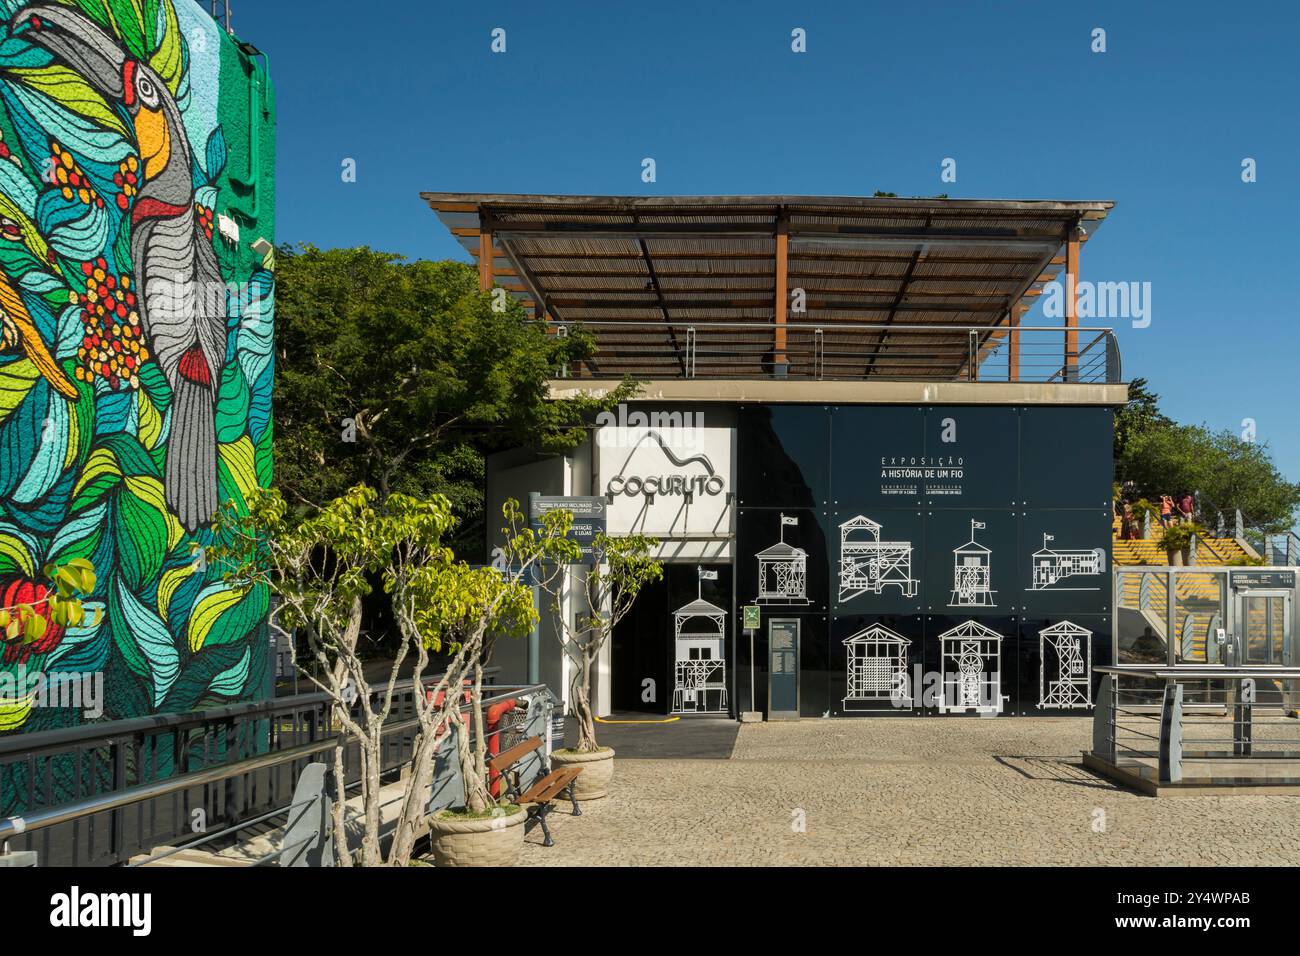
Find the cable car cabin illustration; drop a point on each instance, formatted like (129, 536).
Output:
(783, 571)
(869, 564)
(971, 669)
(877, 670)
(1065, 666)
(970, 573)
(1050, 565)
(700, 668)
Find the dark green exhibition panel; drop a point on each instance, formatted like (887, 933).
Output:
(941, 550)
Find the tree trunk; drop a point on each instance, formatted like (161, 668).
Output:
(370, 750)
(339, 809)
(480, 731)
(582, 706)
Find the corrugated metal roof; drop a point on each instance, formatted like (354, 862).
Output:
(631, 267)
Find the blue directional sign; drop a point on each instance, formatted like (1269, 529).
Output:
(588, 517)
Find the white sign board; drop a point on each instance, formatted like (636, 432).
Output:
(666, 480)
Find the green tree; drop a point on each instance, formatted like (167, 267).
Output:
(322, 565)
(402, 375)
(605, 595)
(1142, 414)
(1226, 471)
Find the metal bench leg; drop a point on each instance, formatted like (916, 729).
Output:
(573, 799)
(546, 831)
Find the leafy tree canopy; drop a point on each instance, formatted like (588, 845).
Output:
(402, 375)
(1161, 456)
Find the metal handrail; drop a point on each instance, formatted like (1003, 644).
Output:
(109, 731)
(982, 352)
(116, 800)
(1255, 722)
(1200, 671)
(837, 326)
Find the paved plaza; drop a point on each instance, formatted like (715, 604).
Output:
(922, 791)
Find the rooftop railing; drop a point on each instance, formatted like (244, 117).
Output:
(848, 351)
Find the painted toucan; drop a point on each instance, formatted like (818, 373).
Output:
(177, 277)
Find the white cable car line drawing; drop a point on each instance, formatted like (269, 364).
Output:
(1070, 647)
(970, 658)
(971, 576)
(700, 659)
(876, 671)
(783, 571)
(869, 564)
(1049, 565)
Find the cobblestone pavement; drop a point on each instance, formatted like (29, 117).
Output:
(930, 791)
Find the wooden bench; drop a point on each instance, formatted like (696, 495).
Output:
(539, 797)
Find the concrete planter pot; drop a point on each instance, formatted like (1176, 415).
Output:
(597, 771)
(487, 841)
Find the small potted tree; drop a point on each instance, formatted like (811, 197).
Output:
(320, 566)
(1177, 542)
(471, 608)
(623, 566)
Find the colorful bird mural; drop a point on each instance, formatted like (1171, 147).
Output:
(17, 330)
(135, 387)
(175, 269)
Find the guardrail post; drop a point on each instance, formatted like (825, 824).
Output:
(117, 823)
(533, 766)
(1243, 712)
(1103, 720)
(308, 834)
(972, 368)
(448, 788)
(1171, 734)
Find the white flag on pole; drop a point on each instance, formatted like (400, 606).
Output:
(708, 575)
(977, 524)
(785, 520)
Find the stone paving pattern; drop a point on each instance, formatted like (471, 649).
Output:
(898, 791)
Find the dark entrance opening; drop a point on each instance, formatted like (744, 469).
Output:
(639, 653)
(657, 672)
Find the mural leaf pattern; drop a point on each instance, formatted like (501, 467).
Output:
(128, 407)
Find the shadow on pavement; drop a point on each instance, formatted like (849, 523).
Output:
(1058, 769)
(690, 738)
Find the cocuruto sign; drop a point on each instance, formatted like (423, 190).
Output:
(666, 480)
(683, 482)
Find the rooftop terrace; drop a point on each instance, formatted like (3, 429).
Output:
(802, 287)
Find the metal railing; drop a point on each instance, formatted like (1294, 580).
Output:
(48, 771)
(849, 351)
(1209, 725)
(56, 833)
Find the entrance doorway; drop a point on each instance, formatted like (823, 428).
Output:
(1264, 620)
(671, 655)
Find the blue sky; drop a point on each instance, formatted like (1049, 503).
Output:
(1159, 123)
